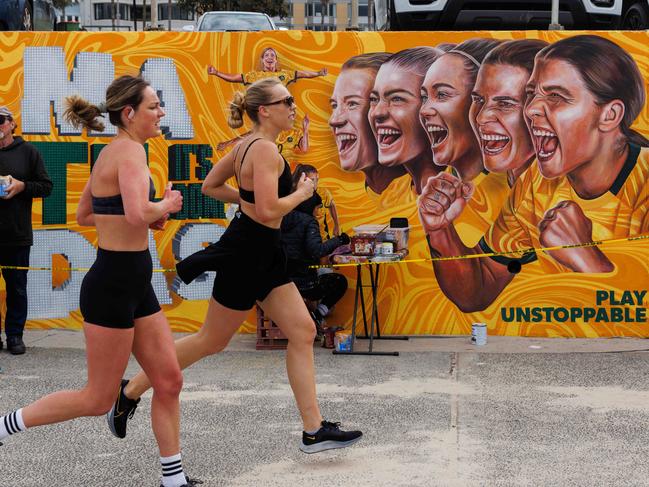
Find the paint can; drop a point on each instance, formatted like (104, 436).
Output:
(479, 334)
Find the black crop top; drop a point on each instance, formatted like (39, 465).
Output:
(113, 205)
(284, 183)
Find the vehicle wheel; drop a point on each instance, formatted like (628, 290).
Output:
(636, 18)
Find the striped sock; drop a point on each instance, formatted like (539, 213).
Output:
(172, 471)
(11, 423)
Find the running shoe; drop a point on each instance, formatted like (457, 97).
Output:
(123, 410)
(328, 437)
(190, 482)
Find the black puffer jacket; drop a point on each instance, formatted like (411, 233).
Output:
(303, 245)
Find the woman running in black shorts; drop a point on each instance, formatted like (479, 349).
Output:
(121, 312)
(251, 263)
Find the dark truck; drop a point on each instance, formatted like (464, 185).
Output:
(27, 15)
(495, 15)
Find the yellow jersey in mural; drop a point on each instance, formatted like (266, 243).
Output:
(620, 212)
(285, 76)
(489, 196)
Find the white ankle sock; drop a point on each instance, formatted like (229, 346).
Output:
(11, 423)
(172, 471)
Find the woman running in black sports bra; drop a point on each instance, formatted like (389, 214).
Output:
(251, 263)
(120, 310)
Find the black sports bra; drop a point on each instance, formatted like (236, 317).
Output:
(284, 183)
(113, 205)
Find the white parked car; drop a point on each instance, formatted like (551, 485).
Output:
(223, 21)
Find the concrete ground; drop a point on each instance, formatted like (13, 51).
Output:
(531, 412)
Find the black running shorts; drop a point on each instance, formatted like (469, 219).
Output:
(249, 261)
(117, 289)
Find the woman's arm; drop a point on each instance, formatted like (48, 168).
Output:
(231, 78)
(214, 184)
(85, 216)
(133, 178)
(310, 74)
(266, 161)
(303, 145)
(313, 243)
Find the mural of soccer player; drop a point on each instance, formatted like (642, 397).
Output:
(446, 99)
(268, 66)
(497, 111)
(394, 113)
(350, 103)
(589, 183)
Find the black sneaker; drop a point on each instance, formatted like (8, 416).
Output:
(123, 410)
(328, 437)
(190, 482)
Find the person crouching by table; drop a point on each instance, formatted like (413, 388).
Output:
(304, 247)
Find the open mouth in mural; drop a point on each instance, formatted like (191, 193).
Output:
(387, 136)
(436, 133)
(545, 142)
(493, 143)
(345, 142)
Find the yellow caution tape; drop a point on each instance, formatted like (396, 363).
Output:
(404, 261)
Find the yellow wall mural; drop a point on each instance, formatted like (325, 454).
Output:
(485, 145)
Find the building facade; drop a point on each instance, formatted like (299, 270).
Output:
(98, 15)
(128, 15)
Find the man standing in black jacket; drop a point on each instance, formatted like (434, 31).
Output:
(24, 178)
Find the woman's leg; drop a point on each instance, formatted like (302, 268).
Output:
(107, 352)
(285, 306)
(217, 330)
(154, 350)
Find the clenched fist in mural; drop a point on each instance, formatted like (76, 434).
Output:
(566, 224)
(442, 200)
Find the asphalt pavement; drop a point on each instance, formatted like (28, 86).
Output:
(517, 412)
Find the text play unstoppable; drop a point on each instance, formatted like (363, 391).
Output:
(627, 308)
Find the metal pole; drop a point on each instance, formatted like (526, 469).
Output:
(154, 14)
(554, 17)
(169, 14)
(134, 17)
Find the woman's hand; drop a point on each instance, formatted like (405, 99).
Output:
(173, 198)
(566, 224)
(442, 200)
(305, 187)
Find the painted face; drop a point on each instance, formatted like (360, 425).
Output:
(281, 113)
(269, 60)
(498, 119)
(146, 119)
(350, 103)
(314, 176)
(446, 99)
(563, 118)
(394, 116)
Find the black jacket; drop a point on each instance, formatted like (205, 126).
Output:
(303, 244)
(22, 161)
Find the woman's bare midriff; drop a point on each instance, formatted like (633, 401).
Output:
(115, 233)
